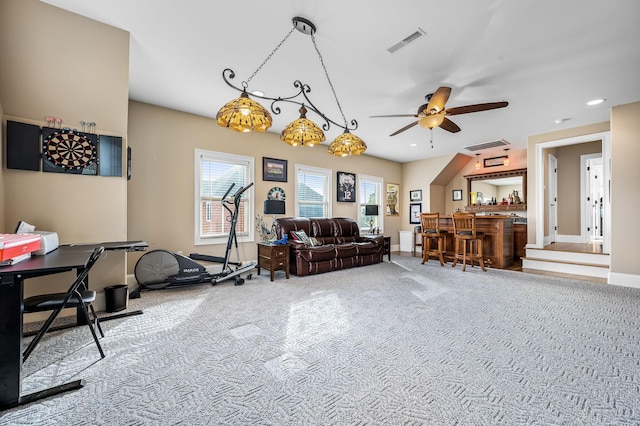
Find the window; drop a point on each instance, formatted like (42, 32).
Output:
(215, 172)
(313, 189)
(369, 192)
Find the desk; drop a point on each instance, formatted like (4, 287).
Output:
(63, 259)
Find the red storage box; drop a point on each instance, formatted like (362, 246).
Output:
(13, 245)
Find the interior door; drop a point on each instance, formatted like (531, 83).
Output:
(593, 197)
(553, 199)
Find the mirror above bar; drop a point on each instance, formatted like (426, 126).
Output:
(497, 192)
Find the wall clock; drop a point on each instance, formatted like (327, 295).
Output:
(276, 193)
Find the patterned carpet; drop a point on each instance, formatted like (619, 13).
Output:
(390, 344)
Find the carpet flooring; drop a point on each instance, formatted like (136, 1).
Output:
(398, 343)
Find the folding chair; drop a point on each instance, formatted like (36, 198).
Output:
(78, 296)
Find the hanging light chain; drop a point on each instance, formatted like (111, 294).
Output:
(329, 80)
(246, 83)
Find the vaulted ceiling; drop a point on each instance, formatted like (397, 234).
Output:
(547, 58)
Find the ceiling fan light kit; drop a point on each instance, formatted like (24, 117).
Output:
(246, 115)
(434, 114)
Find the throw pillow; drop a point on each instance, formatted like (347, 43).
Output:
(302, 237)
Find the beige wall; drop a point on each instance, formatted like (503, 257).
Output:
(161, 190)
(569, 180)
(421, 175)
(79, 72)
(625, 193)
(2, 203)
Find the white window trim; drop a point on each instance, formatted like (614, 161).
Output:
(378, 180)
(318, 170)
(232, 158)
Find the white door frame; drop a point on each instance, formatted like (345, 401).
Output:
(606, 162)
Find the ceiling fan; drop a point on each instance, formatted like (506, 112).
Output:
(433, 114)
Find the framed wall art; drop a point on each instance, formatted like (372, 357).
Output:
(495, 161)
(346, 187)
(415, 195)
(392, 199)
(414, 213)
(457, 195)
(274, 170)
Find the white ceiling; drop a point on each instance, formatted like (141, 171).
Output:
(547, 58)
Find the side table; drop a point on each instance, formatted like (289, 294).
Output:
(273, 258)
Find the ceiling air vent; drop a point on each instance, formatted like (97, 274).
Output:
(409, 39)
(486, 145)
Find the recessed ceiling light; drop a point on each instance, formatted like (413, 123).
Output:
(414, 144)
(595, 102)
(560, 120)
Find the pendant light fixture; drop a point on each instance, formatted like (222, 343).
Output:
(478, 165)
(506, 157)
(246, 115)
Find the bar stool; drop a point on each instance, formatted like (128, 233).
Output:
(417, 239)
(431, 231)
(464, 229)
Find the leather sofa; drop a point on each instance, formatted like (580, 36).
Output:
(337, 244)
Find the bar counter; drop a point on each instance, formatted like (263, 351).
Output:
(498, 239)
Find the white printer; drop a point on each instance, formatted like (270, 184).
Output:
(48, 242)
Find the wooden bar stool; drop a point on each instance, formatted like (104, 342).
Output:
(431, 231)
(464, 229)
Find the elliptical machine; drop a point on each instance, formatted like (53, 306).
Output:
(159, 269)
(227, 271)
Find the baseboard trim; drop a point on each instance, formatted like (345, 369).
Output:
(625, 280)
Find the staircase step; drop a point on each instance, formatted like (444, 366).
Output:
(574, 269)
(590, 259)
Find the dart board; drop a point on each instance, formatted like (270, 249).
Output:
(69, 150)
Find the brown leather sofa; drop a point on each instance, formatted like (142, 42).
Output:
(340, 245)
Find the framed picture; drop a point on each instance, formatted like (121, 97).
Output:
(414, 213)
(415, 195)
(393, 197)
(346, 187)
(457, 195)
(494, 161)
(274, 169)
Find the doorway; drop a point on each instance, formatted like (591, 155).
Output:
(592, 195)
(541, 214)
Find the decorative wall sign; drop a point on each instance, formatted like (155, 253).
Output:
(414, 212)
(494, 161)
(346, 187)
(393, 197)
(274, 170)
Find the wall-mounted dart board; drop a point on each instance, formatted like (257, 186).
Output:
(69, 151)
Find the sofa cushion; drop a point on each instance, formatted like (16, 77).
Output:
(367, 247)
(317, 254)
(346, 250)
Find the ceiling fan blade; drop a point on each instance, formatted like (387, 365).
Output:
(438, 99)
(394, 115)
(475, 108)
(449, 126)
(407, 127)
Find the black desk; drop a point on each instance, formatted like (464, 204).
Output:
(64, 258)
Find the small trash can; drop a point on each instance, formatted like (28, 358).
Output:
(116, 297)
